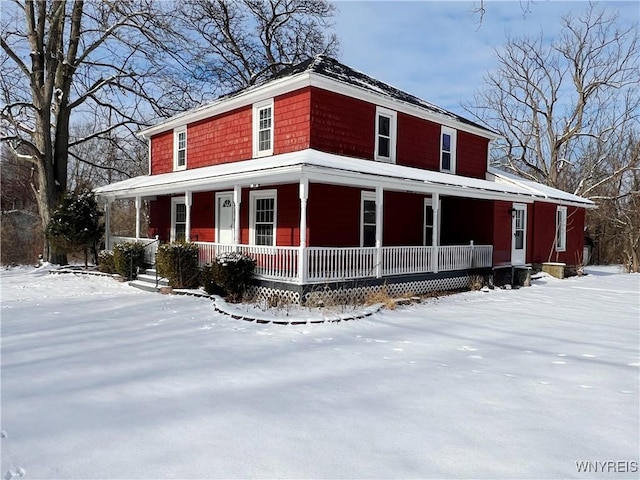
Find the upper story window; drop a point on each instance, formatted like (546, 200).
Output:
(263, 128)
(561, 229)
(180, 148)
(448, 150)
(386, 132)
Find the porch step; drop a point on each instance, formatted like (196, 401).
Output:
(147, 281)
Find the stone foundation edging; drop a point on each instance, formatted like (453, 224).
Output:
(221, 306)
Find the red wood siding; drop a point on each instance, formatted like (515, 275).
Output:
(202, 221)
(160, 218)
(333, 216)
(418, 143)
(471, 155)
(464, 220)
(342, 125)
(544, 226)
(502, 232)
(221, 139)
(162, 153)
(403, 219)
(292, 120)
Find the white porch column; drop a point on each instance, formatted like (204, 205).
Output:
(379, 228)
(107, 223)
(237, 200)
(302, 253)
(138, 207)
(435, 232)
(188, 199)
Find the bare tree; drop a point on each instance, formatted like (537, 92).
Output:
(566, 107)
(234, 44)
(64, 60)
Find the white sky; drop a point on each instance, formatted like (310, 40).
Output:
(436, 49)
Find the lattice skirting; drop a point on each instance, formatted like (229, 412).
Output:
(275, 296)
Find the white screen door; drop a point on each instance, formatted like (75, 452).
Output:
(224, 217)
(519, 230)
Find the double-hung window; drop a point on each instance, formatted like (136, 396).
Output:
(448, 150)
(180, 148)
(368, 220)
(178, 219)
(263, 213)
(561, 229)
(386, 130)
(263, 128)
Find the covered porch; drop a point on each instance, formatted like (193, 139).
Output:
(287, 255)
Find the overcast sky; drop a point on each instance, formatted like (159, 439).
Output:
(436, 50)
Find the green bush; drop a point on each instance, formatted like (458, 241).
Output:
(232, 272)
(208, 282)
(105, 262)
(178, 262)
(128, 257)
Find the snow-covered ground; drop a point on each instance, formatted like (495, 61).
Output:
(100, 380)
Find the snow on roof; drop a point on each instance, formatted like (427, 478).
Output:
(330, 68)
(539, 189)
(320, 167)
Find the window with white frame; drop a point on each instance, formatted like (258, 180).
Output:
(263, 128)
(180, 148)
(263, 208)
(448, 150)
(386, 130)
(178, 219)
(561, 229)
(428, 223)
(368, 219)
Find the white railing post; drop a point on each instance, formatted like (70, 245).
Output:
(302, 253)
(237, 200)
(138, 207)
(188, 199)
(379, 228)
(472, 254)
(107, 224)
(435, 232)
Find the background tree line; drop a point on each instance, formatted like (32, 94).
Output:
(79, 78)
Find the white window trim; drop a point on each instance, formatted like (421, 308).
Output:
(453, 133)
(428, 202)
(176, 134)
(561, 228)
(393, 134)
(253, 196)
(175, 201)
(256, 123)
(369, 196)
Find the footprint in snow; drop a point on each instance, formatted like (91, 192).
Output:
(18, 472)
(510, 375)
(588, 355)
(476, 357)
(586, 387)
(465, 348)
(543, 383)
(398, 349)
(559, 362)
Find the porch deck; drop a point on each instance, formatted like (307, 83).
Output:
(335, 264)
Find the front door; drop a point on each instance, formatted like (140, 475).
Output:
(519, 230)
(224, 217)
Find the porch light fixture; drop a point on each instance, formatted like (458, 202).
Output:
(254, 185)
(512, 212)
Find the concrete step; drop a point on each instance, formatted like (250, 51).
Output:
(146, 286)
(151, 278)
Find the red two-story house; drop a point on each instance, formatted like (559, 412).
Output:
(329, 177)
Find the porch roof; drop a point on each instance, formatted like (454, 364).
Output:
(317, 167)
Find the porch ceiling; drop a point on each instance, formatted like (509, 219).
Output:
(317, 167)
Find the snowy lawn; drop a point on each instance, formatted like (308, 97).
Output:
(100, 380)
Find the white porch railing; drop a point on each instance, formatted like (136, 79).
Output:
(330, 264)
(150, 250)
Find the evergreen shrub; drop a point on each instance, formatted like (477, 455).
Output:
(178, 263)
(128, 257)
(231, 272)
(105, 261)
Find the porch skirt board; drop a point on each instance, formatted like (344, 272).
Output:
(359, 291)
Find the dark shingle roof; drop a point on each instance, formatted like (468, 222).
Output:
(331, 68)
